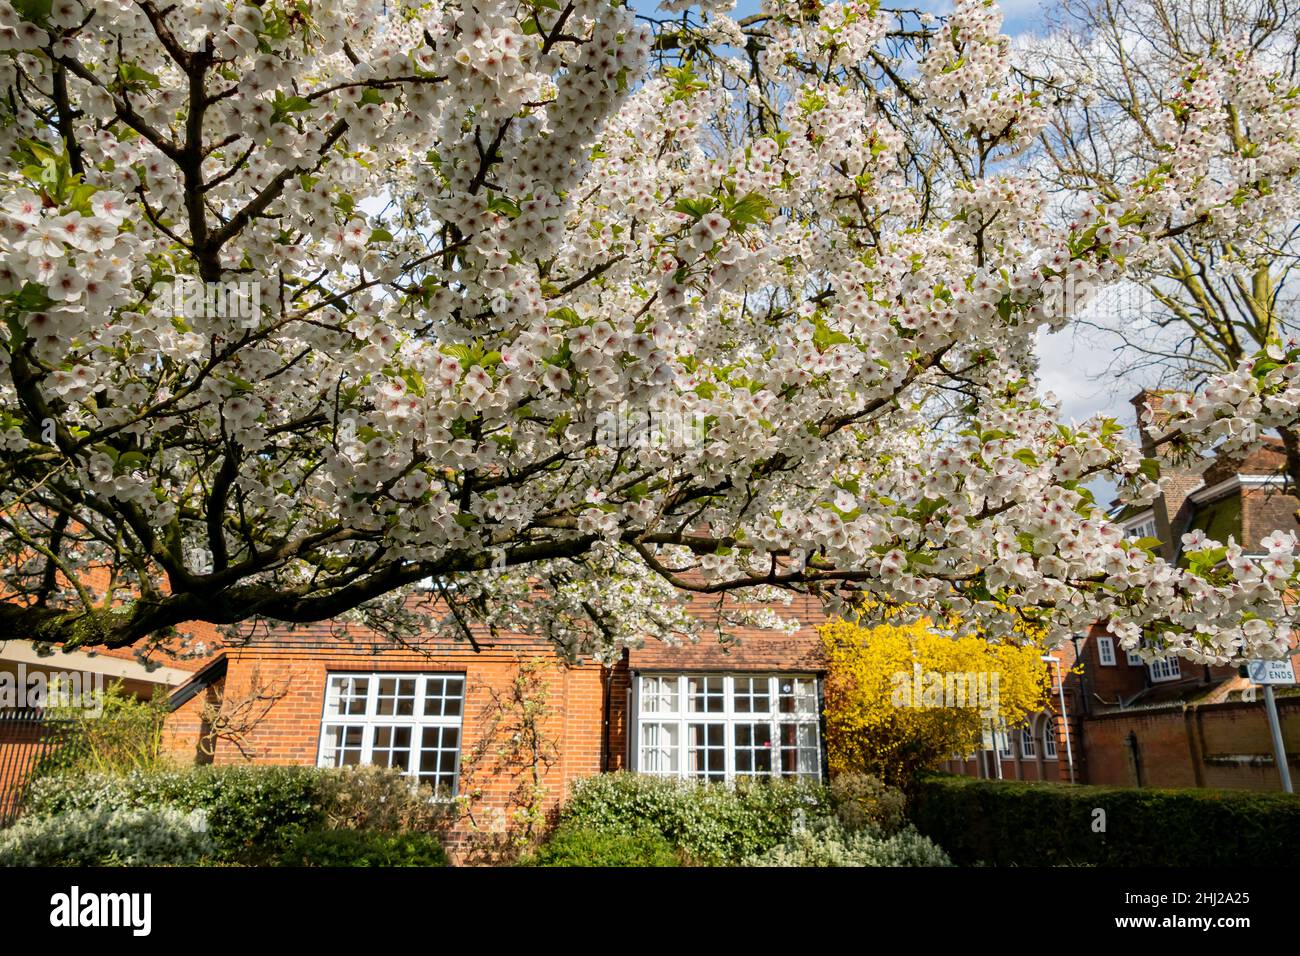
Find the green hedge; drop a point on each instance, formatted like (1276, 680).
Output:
(363, 848)
(1005, 823)
(251, 811)
(572, 846)
(254, 814)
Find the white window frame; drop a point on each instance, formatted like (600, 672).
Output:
(1164, 669)
(1028, 743)
(1049, 738)
(1146, 528)
(1106, 650)
(1134, 659)
(427, 731)
(662, 739)
(1002, 741)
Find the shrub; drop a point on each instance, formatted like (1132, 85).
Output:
(127, 735)
(379, 798)
(862, 801)
(710, 823)
(1038, 824)
(363, 848)
(251, 811)
(833, 844)
(576, 846)
(107, 837)
(874, 724)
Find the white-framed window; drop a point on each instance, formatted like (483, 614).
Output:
(723, 726)
(1028, 745)
(1143, 529)
(1165, 669)
(1002, 740)
(411, 721)
(1049, 739)
(1134, 658)
(1106, 651)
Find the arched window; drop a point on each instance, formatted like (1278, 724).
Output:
(1049, 737)
(1028, 743)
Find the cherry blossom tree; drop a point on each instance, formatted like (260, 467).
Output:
(1216, 301)
(575, 316)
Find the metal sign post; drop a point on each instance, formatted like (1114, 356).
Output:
(1269, 673)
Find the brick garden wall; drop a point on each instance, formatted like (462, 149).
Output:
(1212, 745)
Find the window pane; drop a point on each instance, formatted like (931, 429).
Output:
(705, 695)
(753, 748)
(799, 749)
(659, 695)
(752, 695)
(660, 748)
(797, 695)
(438, 758)
(392, 747)
(407, 721)
(707, 751)
(442, 696)
(341, 745)
(1027, 746)
(396, 697)
(739, 736)
(346, 695)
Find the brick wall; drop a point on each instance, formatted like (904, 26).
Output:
(1170, 509)
(1210, 745)
(1265, 510)
(289, 731)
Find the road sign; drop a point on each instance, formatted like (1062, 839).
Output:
(1271, 672)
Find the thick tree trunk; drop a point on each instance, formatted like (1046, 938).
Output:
(1291, 441)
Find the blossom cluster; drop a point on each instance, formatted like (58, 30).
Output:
(478, 231)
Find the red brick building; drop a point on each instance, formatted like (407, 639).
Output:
(506, 725)
(1165, 723)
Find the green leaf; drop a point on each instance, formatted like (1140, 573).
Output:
(286, 105)
(461, 353)
(133, 77)
(504, 206)
(33, 11)
(1201, 562)
(695, 207)
(130, 461)
(414, 381)
(32, 298)
(747, 210)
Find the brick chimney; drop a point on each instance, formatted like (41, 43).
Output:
(1171, 509)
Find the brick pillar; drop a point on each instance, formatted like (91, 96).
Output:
(1171, 508)
(1195, 742)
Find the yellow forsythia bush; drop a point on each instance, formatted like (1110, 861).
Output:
(900, 699)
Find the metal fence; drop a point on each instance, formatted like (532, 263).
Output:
(27, 736)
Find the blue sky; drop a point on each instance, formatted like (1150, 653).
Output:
(1021, 16)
